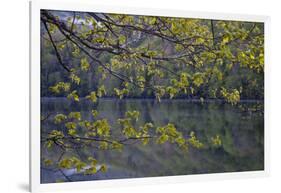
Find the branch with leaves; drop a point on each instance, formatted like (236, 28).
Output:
(74, 134)
(148, 57)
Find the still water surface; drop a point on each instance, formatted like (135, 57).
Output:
(241, 131)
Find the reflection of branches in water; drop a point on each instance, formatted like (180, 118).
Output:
(73, 144)
(253, 109)
(94, 144)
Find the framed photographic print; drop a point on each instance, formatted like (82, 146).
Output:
(127, 96)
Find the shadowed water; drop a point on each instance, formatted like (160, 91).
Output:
(241, 132)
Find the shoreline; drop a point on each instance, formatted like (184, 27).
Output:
(162, 100)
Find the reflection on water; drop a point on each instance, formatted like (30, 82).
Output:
(242, 134)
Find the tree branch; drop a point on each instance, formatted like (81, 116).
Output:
(55, 48)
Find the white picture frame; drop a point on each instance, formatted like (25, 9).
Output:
(36, 6)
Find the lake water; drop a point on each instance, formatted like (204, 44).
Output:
(241, 132)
